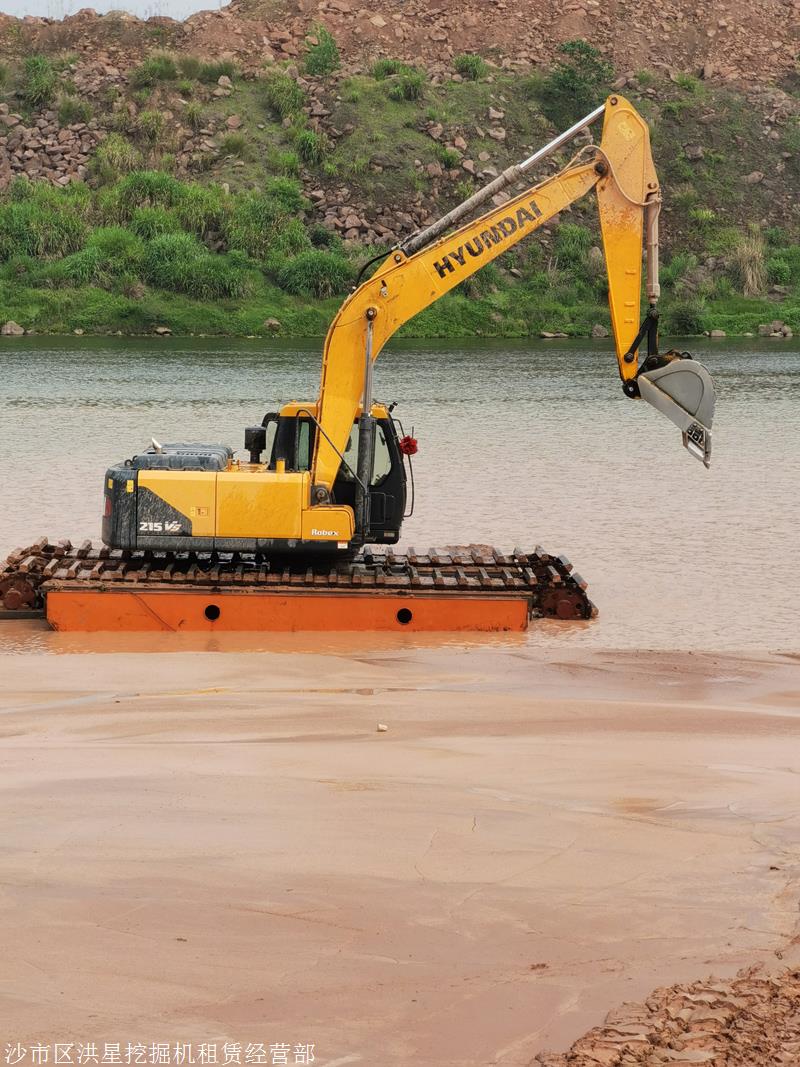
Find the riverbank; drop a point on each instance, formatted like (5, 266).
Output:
(513, 313)
(224, 848)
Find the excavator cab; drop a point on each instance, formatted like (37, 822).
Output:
(287, 439)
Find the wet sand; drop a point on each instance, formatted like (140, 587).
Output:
(225, 848)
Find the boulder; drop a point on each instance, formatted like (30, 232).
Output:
(717, 333)
(271, 324)
(11, 329)
(598, 330)
(162, 331)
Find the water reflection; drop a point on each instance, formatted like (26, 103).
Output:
(519, 444)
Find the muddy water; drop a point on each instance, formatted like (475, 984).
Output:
(519, 443)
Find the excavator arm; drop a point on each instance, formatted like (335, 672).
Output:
(428, 265)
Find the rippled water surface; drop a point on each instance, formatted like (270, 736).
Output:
(519, 443)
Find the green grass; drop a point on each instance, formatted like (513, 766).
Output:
(39, 81)
(322, 54)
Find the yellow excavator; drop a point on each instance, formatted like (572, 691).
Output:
(195, 538)
(328, 475)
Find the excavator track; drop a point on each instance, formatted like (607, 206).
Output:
(463, 575)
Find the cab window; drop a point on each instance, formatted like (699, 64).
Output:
(382, 461)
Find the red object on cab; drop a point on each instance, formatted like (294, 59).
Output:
(408, 445)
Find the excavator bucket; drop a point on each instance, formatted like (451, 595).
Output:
(683, 391)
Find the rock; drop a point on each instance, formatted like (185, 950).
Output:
(468, 165)
(382, 727)
(694, 152)
(755, 177)
(162, 331)
(599, 330)
(233, 122)
(546, 335)
(497, 133)
(271, 324)
(764, 329)
(776, 326)
(787, 331)
(224, 82)
(11, 329)
(436, 131)
(78, 331)
(379, 21)
(717, 333)
(495, 115)
(460, 144)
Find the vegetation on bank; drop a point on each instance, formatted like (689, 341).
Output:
(237, 246)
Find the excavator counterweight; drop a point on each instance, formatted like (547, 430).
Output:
(196, 538)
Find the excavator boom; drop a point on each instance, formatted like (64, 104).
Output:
(417, 273)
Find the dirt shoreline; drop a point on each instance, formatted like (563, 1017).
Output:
(213, 848)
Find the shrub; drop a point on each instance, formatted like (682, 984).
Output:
(166, 255)
(288, 193)
(149, 222)
(3, 75)
(210, 73)
(189, 66)
(72, 110)
(290, 239)
(235, 144)
(283, 96)
(315, 273)
(287, 163)
(195, 117)
(146, 188)
(311, 147)
(254, 223)
(200, 208)
(747, 263)
(778, 271)
(448, 157)
(81, 268)
(683, 318)
(471, 67)
(322, 55)
(180, 262)
(158, 67)
(185, 87)
(575, 85)
(115, 156)
(40, 227)
(385, 68)
(120, 251)
(150, 125)
(408, 86)
(39, 81)
(572, 246)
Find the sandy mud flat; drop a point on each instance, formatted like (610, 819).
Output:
(225, 848)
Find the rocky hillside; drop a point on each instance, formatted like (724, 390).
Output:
(742, 43)
(373, 122)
